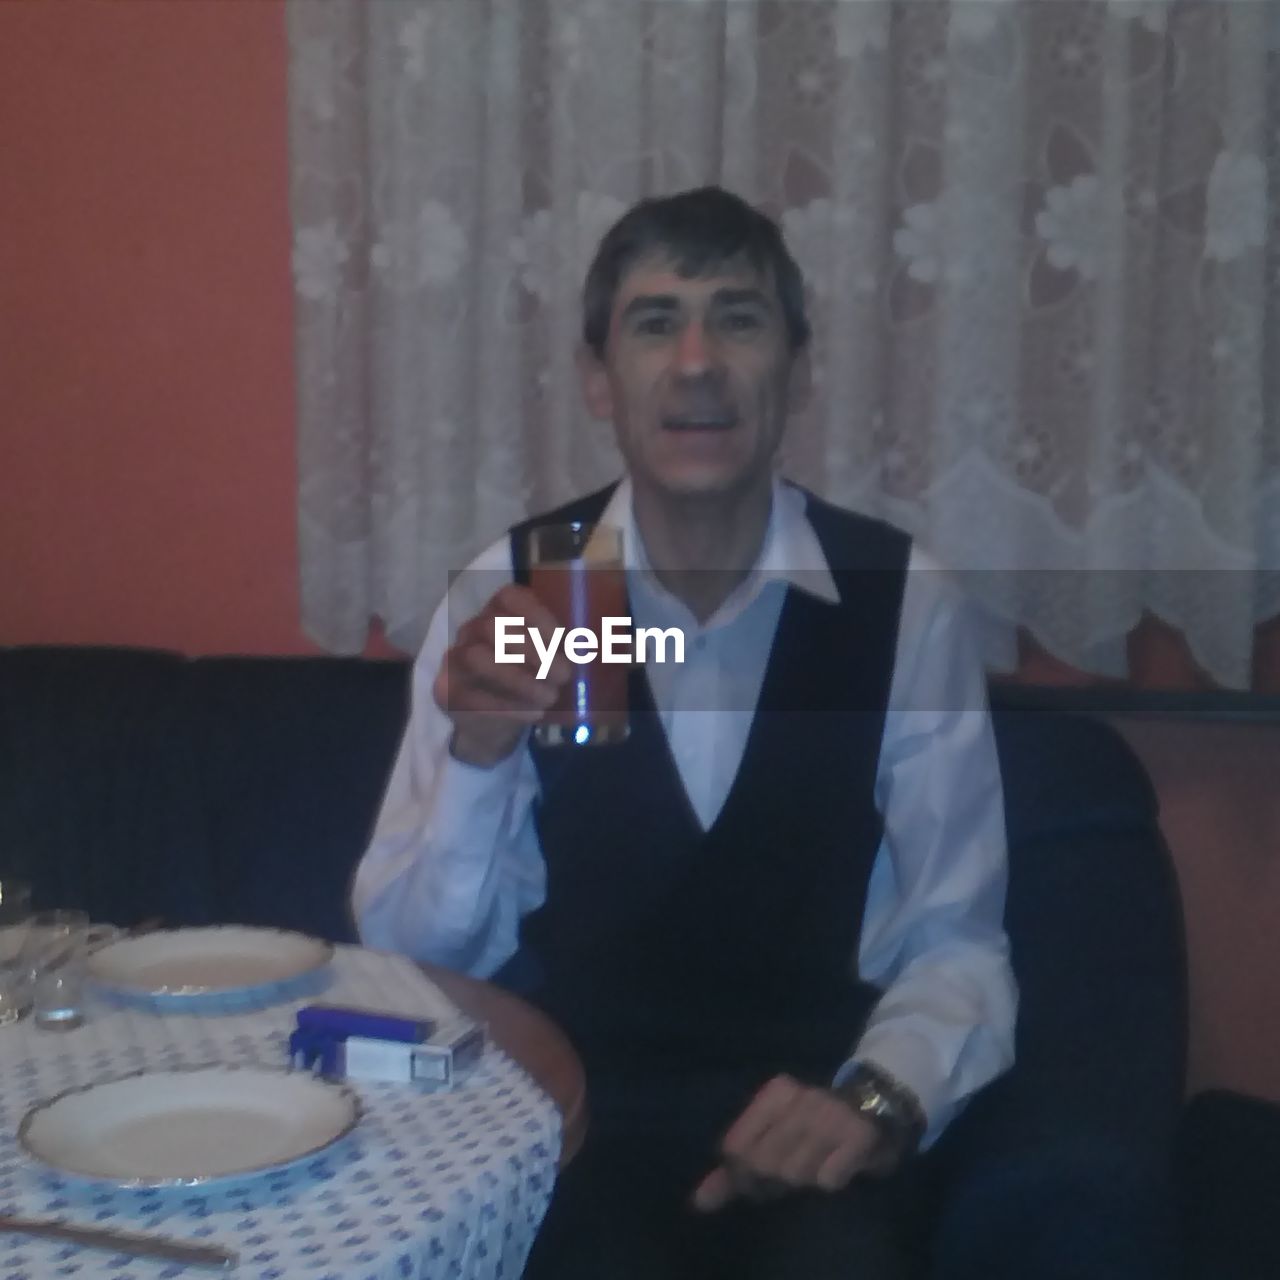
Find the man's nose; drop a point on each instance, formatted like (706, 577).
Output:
(695, 351)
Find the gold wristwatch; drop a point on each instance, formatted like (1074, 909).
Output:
(892, 1107)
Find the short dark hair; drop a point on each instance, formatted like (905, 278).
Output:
(698, 230)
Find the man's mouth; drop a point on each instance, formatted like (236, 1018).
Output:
(720, 421)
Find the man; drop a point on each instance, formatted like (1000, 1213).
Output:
(772, 919)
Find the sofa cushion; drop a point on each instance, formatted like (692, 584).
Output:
(1090, 1206)
(1229, 1183)
(1071, 1151)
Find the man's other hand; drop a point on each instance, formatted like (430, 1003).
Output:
(491, 703)
(791, 1136)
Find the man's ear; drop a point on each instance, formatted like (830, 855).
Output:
(596, 392)
(800, 382)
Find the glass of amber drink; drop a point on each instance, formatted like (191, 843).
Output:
(577, 571)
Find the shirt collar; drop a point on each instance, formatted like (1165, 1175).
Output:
(791, 553)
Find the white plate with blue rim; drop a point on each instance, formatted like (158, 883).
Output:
(188, 1127)
(219, 969)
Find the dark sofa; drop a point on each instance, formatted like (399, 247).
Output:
(139, 784)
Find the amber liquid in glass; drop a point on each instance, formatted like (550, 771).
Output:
(592, 707)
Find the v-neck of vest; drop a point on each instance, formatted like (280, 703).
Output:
(767, 701)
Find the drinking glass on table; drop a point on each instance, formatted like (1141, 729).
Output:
(577, 571)
(55, 952)
(15, 980)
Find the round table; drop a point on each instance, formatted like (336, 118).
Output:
(454, 1181)
(533, 1040)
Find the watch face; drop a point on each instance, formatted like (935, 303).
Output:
(879, 1109)
(877, 1105)
(894, 1116)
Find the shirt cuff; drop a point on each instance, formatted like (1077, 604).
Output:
(467, 794)
(913, 1063)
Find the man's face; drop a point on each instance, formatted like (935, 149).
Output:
(697, 378)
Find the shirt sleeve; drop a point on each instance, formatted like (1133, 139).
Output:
(933, 930)
(454, 860)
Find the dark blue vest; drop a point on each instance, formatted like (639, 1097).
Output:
(664, 947)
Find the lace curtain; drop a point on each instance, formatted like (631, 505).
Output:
(1042, 239)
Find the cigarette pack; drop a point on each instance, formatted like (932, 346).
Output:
(341, 1020)
(436, 1062)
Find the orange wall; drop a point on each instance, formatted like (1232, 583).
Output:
(146, 347)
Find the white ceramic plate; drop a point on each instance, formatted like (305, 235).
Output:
(222, 968)
(188, 1128)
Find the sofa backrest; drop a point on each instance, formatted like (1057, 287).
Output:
(1094, 919)
(136, 784)
(139, 783)
(295, 755)
(99, 796)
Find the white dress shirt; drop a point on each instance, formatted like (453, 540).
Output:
(454, 862)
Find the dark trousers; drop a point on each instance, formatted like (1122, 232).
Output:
(621, 1211)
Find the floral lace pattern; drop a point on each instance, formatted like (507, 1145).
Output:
(1043, 251)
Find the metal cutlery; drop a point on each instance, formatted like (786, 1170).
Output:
(130, 1242)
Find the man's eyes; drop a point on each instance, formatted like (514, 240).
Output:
(663, 325)
(655, 325)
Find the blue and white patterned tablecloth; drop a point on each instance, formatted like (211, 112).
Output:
(430, 1185)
